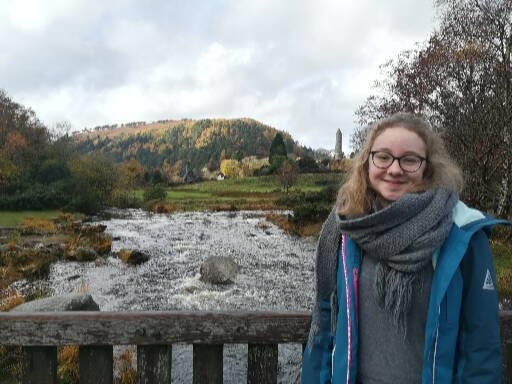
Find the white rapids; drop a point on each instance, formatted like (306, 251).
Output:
(276, 274)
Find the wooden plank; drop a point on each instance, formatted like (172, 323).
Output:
(154, 364)
(96, 364)
(507, 363)
(207, 364)
(152, 328)
(506, 337)
(39, 365)
(157, 328)
(262, 364)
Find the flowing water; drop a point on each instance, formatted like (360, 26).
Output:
(276, 274)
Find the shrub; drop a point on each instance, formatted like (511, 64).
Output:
(160, 207)
(291, 200)
(100, 242)
(124, 199)
(87, 202)
(10, 364)
(504, 277)
(155, 192)
(307, 165)
(310, 213)
(9, 299)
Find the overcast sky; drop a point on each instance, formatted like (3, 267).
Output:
(302, 66)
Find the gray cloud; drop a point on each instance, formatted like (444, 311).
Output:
(302, 66)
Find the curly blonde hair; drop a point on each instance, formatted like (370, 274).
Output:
(356, 196)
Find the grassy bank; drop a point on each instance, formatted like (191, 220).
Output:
(11, 219)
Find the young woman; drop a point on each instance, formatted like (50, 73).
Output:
(405, 283)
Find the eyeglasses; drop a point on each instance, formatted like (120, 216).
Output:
(408, 163)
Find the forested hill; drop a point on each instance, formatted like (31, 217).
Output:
(197, 143)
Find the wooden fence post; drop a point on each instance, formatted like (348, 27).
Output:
(96, 364)
(262, 364)
(154, 364)
(207, 363)
(39, 365)
(506, 340)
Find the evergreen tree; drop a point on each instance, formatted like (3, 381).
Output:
(277, 150)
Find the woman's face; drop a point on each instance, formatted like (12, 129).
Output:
(393, 182)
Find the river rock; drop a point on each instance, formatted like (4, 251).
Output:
(133, 257)
(71, 302)
(219, 270)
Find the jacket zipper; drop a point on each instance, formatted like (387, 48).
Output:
(435, 348)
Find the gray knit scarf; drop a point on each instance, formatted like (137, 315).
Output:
(402, 237)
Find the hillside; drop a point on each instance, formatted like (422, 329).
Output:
(194, 143)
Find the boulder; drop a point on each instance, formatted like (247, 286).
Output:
(71, 302)
(133, 257)
(219, 270)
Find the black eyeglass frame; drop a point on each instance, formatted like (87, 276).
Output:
(422, 159)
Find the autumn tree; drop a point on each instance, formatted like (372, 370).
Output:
(9, 174)
(23, 140)
(307, 164)
(131, 174)
(230, 168)
(95, 178)
(288, 174)
(461, 80)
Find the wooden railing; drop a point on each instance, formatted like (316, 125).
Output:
(154, 333)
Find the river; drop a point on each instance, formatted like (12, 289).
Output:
(276, 274)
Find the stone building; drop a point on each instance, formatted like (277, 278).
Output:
(338, 151)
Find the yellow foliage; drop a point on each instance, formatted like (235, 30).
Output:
(14, 143)
(251, 164)
(131, 173)
(505, 282)
(340, 165)
(9, 299)
(230, 167)
(68, 363)
(161, 207)
(205, 137)
(38, 226)
(9, 173)
(100, 242)
(127, 373)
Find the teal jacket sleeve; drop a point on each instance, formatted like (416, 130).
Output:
(479, 347)
(316, 365)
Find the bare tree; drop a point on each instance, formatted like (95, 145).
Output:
(288, 174)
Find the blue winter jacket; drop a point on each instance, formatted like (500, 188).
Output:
(462, 339)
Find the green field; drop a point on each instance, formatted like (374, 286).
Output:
(243, 193)
(263, 184)
(14, 218)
